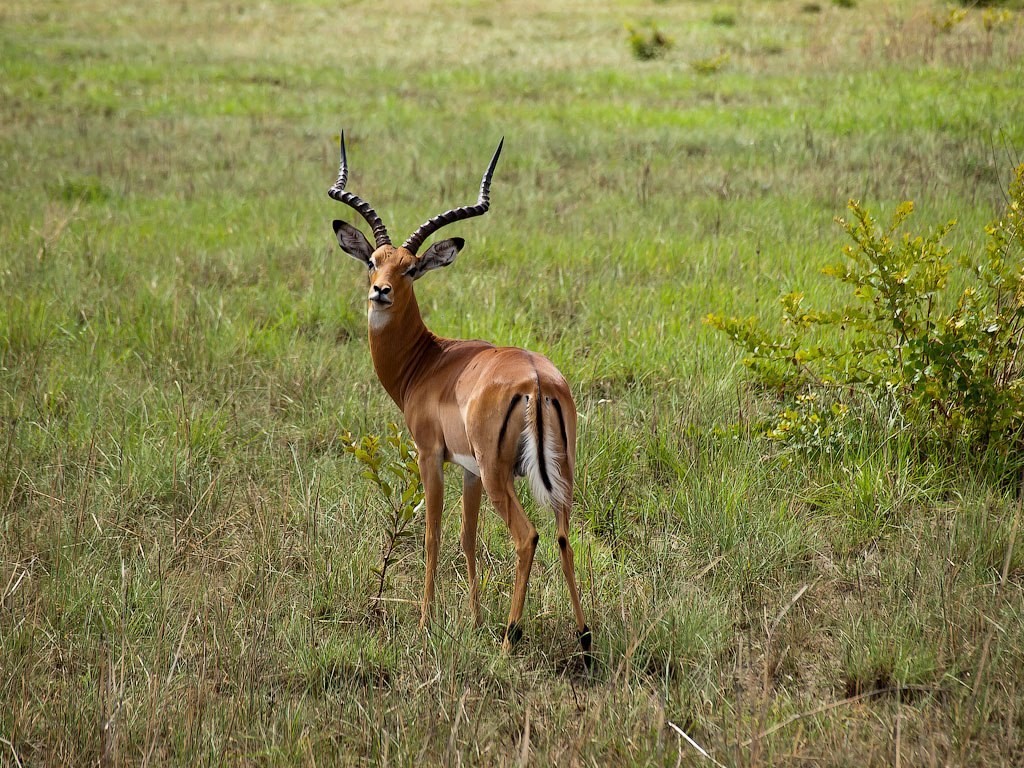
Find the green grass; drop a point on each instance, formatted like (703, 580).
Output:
(186, 552)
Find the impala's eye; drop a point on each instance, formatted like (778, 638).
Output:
(371, 266)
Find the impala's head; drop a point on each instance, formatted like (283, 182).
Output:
(392, 270)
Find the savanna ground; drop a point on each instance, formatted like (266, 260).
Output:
(187, 553)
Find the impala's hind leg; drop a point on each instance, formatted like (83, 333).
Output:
(524, 536)
(472, 489)
(568, 569)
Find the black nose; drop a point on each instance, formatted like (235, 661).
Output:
(382, 290)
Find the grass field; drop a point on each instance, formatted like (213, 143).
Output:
(187, 554)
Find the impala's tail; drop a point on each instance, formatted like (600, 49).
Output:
(543, 454)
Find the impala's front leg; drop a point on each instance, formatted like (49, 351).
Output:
(432, 475)
(472, 488)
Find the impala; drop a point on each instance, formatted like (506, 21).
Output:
(498, 412)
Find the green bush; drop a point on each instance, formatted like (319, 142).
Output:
(391, 466)
(990, 3)
(710, 65)
(648, 42)
(723, 17)
(949, 366)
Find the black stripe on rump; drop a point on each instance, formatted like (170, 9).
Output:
(540, 440)
(508, 415)
(561, 424)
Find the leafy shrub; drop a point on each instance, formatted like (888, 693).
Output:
(648, 42)
(391, 465)
(992, 19)
(724, 17)
(950, 368)
(952, 19)
(711, 65)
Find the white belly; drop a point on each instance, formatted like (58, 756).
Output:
(467, 463)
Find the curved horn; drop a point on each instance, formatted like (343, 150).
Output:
(380, 232)
(457, 214)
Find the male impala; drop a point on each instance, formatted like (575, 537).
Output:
(498, 412)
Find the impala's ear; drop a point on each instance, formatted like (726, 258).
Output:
(440, 254)
(352, 241)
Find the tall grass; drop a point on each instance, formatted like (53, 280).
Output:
(186, 552)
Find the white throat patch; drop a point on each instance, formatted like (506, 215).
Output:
(377, 318)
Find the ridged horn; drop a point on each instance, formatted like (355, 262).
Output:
(337, 192)
(483, 202)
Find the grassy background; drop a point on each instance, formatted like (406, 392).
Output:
(186, 553)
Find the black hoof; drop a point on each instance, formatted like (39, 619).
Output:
(585, 643)
(513, 634)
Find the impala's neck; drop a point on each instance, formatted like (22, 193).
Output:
(400, 343)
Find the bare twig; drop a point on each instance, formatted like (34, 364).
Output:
(708, 568)
(899, 731)
(394, 600)
(9, 590)
(792, 601)
(524, 743)
(460, 710)
(17, 760)
(431, 681)
(693, 743)
(177, 652)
